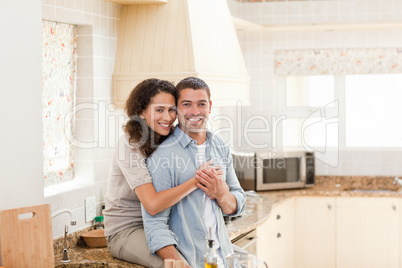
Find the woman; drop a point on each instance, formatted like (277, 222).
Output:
(151, 109)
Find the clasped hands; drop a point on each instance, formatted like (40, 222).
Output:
(210, 181)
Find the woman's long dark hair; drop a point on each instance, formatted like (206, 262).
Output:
(138, 102)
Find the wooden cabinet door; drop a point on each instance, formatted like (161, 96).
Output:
(275, 244)
(368, 232)
(315, 232)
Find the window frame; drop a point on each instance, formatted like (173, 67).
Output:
(304, 112)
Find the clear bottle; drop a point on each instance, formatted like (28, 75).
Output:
(99, 222)
(211, 257)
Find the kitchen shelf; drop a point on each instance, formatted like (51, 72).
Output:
(138, 2)
(242, 25)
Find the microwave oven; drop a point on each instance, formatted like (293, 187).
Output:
(274, 170)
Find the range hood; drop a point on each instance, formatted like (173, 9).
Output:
(178, 39)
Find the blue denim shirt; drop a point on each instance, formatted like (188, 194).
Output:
(183, 224)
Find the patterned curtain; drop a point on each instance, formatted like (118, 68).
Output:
(338, 61)
(58, 73)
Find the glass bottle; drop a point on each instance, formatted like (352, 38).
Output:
(211, 257)
(99, 222)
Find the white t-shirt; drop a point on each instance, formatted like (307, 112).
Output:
(209, 215)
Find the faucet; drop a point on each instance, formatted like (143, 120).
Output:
(398, 180)
(65, 251)
(66, 210)
(72, 222)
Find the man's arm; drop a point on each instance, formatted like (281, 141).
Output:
(168, 252)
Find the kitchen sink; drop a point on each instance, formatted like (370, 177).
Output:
(374, 191)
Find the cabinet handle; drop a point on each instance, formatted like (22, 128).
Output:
(393, 207)
(278, 235)
(329, 206)
(278, 217)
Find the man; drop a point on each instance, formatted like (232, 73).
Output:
(186, 225)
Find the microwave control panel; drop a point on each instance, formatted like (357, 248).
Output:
(310, 167)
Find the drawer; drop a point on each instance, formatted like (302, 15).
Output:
(282, 214)
(280, 247)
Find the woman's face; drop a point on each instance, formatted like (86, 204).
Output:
(160, 113)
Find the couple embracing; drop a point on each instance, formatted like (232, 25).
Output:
(168, 186)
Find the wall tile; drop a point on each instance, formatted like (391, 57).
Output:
(84, 130)
(60, 14)
(118, 10)
(82, 154)
(60, 3)
(96, 6)
(84, 66)
(69, 4)
(84, 45)
(84, 87)
(101, 168)
(78, 18)
(49, 12)
(103, 26)
(78, 5)
(111, 27)
(103, 8)
(87, 6)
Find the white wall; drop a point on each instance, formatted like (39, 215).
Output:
(258, 50)
(21, 168)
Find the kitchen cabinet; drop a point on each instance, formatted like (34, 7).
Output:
(332, 232)
(315, 232)
(276, 244)
(367, 232)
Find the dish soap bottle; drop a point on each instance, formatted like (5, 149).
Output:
(99, 222)
(211, 258)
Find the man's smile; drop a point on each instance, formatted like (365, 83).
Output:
(194, 119)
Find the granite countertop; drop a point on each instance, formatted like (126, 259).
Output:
(257, 212)
(82, 256)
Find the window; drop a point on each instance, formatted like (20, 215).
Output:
(342, 98)
(309, 91)
(373, 111)
(349, 111)
(309, 104)
(58, 76)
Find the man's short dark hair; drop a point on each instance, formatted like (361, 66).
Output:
(193, 83)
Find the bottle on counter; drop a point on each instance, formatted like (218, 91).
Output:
(99, 222)
(211, 257)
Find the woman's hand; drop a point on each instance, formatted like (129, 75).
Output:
(211, 182)
(209, 166)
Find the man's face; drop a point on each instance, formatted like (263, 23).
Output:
(194, 108)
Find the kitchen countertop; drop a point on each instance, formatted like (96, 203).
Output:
(258, 211)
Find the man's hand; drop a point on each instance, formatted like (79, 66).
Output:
(216, 188)
(211, 183)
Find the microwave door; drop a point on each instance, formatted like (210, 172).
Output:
(244, 167)
(280, 173)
